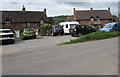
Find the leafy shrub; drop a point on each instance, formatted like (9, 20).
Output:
(44, 28)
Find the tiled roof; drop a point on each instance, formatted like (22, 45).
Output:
(86, 14)
(20, 16)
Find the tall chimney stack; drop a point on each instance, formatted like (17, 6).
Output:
(23, 9)
(91, 8)
(74, 14)
(109, 8)
(45, 10)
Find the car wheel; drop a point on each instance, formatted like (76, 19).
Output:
(62, 34)
(54, 34)
(34, 37)
(13, 41)
(23, 38)
(73, 35)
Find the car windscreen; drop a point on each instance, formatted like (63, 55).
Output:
(109, 25)
(72, 26)
(25, 30)
(59, 27)
(5, 31)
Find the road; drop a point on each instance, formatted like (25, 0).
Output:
(89, 58)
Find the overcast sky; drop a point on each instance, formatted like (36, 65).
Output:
(59, 7)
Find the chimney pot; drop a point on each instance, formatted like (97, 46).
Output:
(23, 9)
(109, 8)
(44, 10)
(91, 8)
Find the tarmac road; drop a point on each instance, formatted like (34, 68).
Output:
(89, 58)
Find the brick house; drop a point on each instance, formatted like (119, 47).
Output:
(18, 20)
(91, 17)
(119, 17)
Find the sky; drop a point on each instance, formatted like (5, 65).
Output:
(60, 7)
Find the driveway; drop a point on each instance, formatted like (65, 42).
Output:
(42, 42)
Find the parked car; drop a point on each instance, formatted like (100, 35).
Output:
(114, 26)
(55, 30)
(28, 33)
(6, 36)
(66, 26)
(78, 30)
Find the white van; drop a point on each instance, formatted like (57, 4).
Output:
(66, 26)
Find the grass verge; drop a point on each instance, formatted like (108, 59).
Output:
(94, 36)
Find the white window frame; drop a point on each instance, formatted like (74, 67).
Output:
(7, 22)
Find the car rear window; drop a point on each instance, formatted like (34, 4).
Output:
(5, 31)
(28, 30)
(58, 26)
(73, 25)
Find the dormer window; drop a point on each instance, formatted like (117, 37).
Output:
(41, 20)
(92, 19)
(7, 23)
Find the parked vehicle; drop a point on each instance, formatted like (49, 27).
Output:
(55, 30)
(28, 33)
(67, 25)
(78, 30)
(6, 36)
(114, 26)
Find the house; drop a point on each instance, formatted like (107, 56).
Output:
(91, 17)
(119, 17)
(18, 20)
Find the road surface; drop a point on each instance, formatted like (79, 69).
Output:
(89, 58)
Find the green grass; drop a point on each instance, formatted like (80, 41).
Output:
(94, 36)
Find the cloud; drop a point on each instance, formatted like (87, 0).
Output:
(55, 7)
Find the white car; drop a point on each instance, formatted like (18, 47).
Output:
(6, 36)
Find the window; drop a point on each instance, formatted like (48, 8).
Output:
(41, 22)
(66, 25)
(28, 24)
(92, 20)
(7, 23)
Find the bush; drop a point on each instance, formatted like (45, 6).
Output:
(95, 36)
(44, 28)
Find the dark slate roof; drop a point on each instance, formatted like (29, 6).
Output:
(86, 14)
(27, 16)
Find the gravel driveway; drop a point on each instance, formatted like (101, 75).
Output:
(43, 42)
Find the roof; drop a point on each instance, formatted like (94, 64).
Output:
(20, 16)
(70, 18)
(68, 23)
(86, 14)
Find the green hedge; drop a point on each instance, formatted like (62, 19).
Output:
(95, 36)
(44, 28)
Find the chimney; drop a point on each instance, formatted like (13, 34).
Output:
(91, 8)
(45, 10)
(109, 8)
(73, 9)
(74, 14)
(23, 9)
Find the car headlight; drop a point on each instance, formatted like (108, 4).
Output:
(24, 34)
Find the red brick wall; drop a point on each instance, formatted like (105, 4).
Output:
(87, 22)
(20, 26)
